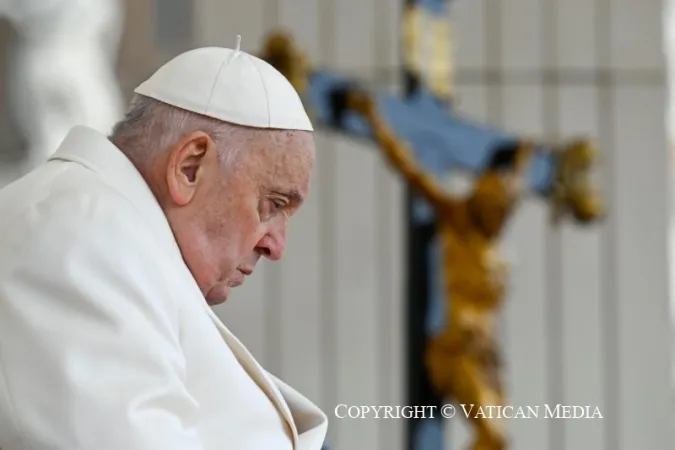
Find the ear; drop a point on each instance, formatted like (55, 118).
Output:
(189, 162)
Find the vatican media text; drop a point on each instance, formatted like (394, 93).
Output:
(469, 411)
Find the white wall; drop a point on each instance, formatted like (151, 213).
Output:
(587, 320)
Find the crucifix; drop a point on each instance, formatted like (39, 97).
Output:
(454, 353)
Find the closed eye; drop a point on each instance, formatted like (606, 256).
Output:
(278, 204)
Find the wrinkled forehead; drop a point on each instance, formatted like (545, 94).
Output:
(281, 157)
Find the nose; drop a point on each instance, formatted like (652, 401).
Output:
(273, 244)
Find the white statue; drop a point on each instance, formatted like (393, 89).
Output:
(61, 69)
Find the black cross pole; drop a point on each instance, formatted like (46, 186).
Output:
(419, 391)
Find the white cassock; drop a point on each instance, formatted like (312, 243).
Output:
(61, 70)
(106, 342)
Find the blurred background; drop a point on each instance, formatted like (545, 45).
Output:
(587, 320)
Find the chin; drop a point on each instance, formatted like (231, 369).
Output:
(217, 294)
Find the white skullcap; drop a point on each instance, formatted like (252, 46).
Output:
(228, 85)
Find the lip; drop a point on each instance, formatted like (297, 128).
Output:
(246, 270)
(236, 283)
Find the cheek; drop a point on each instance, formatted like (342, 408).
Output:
(238, 238)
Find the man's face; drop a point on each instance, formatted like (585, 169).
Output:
(225, 219)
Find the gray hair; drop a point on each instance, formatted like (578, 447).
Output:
(150, 127)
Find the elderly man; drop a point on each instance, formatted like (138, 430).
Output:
(112, 251)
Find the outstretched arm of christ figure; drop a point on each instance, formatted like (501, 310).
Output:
(396, 153)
